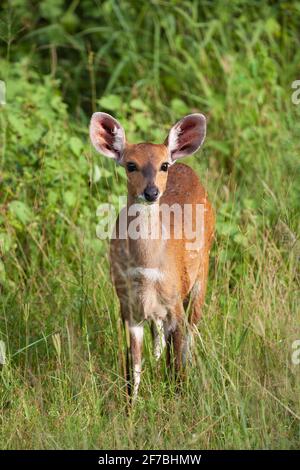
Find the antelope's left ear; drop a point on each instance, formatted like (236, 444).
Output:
(186, 136)
(107, 136)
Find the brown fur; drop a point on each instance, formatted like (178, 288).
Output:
(185, 269)
(157, 279)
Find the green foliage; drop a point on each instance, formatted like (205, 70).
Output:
(45, 168)
(147, 63)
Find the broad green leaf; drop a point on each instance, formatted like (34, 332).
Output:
(240, 239)
(70, 198)
(179, 107)
(5, 243)
(143, 122)
(52, 197)
(111, 102)
(97, 173)
(76, 146)
(17, 124)
(21, 211)
(138, 104)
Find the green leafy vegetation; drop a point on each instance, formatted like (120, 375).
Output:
(148, 63)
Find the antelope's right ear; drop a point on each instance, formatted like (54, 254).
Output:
(107, 136)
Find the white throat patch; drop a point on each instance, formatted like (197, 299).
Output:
(152, 274)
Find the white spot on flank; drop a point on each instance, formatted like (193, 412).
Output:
(152, 274)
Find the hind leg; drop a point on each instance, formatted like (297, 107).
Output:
(174, 336)
(198, 293)
(194, 305)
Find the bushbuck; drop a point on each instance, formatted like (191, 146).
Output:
(158, 269)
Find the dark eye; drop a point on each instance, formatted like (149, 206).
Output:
(131, 167)
(164, 167)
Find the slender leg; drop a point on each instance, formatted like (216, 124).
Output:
(136, 333)
(159, 340)
(196, 303)
(169, 352)
(198, 293)
(178, 346)
(187, 348)
(175, 339)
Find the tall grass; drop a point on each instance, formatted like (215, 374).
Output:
(148, 63)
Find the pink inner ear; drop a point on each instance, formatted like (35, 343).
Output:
(107, 135)
(106, 132)
(187, 136)
(190, 136)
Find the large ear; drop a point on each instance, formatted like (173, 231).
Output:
(186, 136)
(107, 135)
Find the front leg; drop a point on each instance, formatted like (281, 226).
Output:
(134, 357)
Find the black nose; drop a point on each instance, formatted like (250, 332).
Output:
(151, 193)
